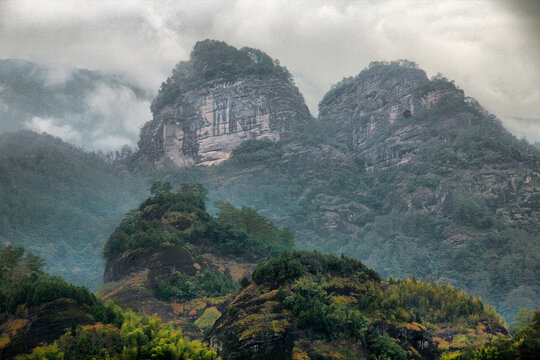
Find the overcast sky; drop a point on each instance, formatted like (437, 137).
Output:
(490, 48)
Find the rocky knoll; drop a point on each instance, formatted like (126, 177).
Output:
(219, 98)
(26, 329)
(311, 306)
(172, 258)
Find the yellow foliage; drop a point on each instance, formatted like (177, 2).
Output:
(4, 340)
(259, 323)
(267, 295)
(177, 308)
(343, 300)
(416, 326)
(208, 318)
(196, 304)
(442, 344)
(14, 325)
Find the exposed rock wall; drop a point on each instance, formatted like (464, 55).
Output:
(202, 125)
(258, 331)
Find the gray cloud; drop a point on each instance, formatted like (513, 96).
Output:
(491, 49)
(111, 117)
(54, 127)
(525, 128)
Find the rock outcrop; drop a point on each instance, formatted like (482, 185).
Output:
(259, 330)
(132, 279)
(218, 99)
(388, 110)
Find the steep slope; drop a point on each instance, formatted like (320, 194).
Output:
(61, 203)
(305, 305)
(368, 112)
(172, 258)
(406, 174)
(217, 99)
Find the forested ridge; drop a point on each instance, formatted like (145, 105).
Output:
(61, 202)
(340, 307)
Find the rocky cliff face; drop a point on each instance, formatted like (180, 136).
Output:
(205, 110)
(388, 110)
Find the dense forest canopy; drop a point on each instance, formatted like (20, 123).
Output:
(342, 309)
(405, 300)
(61, 202)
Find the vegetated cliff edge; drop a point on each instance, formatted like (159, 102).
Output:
(217, 99)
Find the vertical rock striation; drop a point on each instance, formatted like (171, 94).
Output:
(218, 99)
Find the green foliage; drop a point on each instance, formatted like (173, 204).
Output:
(524, 345)
(524, 317)
(315, 309)
(139, 337)
(180, 217)
(247, 220)
(471, 209)
(384, 347)
(232, 310)
(208, 318)
(340, 298)
(437, 303)
(256, 151)
(210, 283)
(291, 265)
(244, 282)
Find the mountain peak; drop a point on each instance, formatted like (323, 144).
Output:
(219, 98)
(390, 108)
